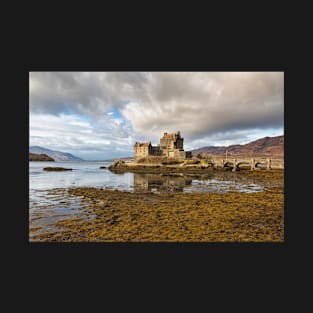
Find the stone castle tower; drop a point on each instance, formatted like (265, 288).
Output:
(171, 145)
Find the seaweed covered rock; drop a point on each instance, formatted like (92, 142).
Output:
(56, 169)
(118, 163)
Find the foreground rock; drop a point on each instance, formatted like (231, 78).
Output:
(56, 169)
(39, 157)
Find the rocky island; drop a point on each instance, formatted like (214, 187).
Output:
(169, 156)
(56, 169)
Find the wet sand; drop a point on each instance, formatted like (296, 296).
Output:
(120, 216)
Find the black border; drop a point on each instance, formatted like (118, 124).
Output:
(100, 259)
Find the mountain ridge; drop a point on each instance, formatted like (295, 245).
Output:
(266, 146)
(56, 155)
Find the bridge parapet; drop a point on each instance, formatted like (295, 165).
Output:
(255, 162)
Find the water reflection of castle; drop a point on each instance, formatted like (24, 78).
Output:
(144, 182)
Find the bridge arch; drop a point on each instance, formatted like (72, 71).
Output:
(253, 162)
(229, 164)
(242, 163)
(263, 164)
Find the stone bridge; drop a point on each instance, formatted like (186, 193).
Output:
(254, 163)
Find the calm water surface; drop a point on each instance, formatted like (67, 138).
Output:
(47, 207)
(88, 174)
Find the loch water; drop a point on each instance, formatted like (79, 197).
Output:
(47, 206)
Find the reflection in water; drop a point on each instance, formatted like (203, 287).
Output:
(155, 182)
(45, 208)
(192, 183)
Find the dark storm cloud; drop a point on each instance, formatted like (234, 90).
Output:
(207, 103)
(89, 93)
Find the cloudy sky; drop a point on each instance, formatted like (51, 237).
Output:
(99, 115)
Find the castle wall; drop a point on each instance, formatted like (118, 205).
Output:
(141, 151)
(180, 144)
(171, 145)
(155, 150)
(176, 153)
(166, 143)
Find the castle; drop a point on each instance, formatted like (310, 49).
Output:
(171, 145)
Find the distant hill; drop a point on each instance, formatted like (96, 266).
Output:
(39, 157)
(267, 146)
(56, 155)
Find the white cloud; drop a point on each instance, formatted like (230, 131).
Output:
(70, 133)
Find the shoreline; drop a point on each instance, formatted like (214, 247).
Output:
(200, 166)
(155, 169)
(121, 216)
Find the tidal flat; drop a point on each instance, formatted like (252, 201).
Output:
(122, 216)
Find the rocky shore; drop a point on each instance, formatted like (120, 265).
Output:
(176, 217)
(174, 166)
(179, 166)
